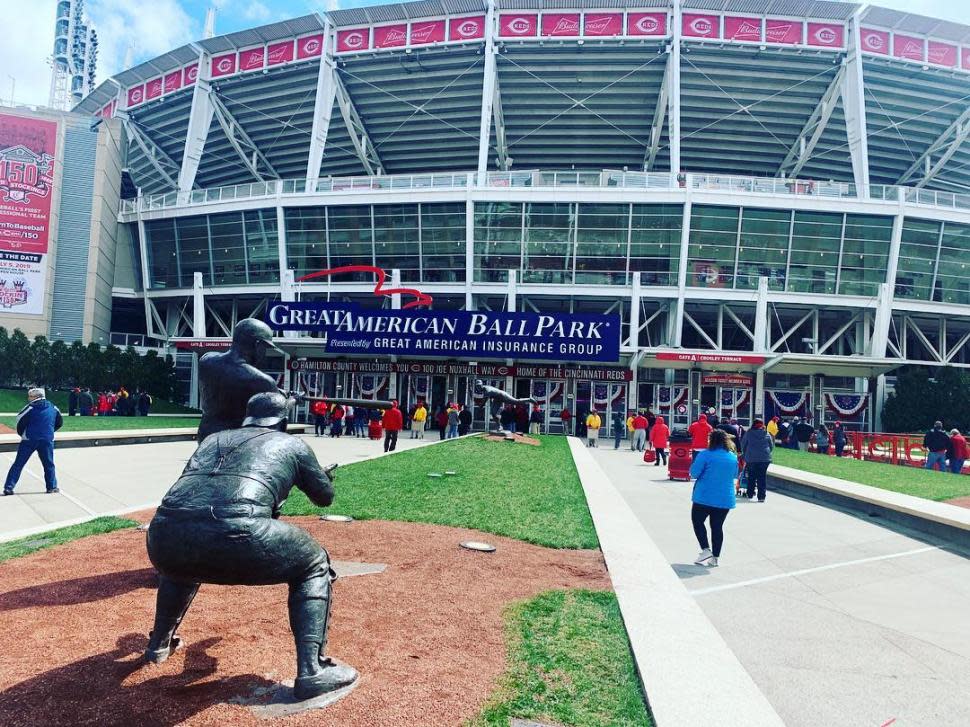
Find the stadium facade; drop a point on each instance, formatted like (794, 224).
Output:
(772, 195)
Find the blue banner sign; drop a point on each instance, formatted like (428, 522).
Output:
(352, 329)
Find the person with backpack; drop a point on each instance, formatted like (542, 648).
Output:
(822, 439)
(713, 470)
(756, 448)
(803, 434)
(838, 438)
(659, 438)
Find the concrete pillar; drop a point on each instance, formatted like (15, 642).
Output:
(198, 306)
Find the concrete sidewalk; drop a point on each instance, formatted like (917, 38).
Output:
(110, 481)
(839, 620)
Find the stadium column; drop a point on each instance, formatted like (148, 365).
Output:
(469, 249)
(760, 345)
(198, 306)
(145, 279)
(512, 305)
(200, 119)
(673, 93)
(675, 320)
(854, 105)
(884, 308)
(322, 108)
(488, 92)
(633, 342)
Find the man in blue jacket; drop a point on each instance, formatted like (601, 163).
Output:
(36, 424)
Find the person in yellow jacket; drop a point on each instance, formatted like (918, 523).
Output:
(418, 419)
(593, 424)
(772, 428)
(629, 431)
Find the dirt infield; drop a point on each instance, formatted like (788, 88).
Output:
(426, 634)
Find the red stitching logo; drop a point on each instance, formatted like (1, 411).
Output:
(420, 299)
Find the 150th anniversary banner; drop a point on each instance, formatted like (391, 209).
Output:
(351, 329)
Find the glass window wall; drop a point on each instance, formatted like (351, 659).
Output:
(498, 240)
(814, 261)
(350, 235)
(655, 242)
(763, 247)
(952, 279)
(917, 259)
(865, 254)
(548, 244)
(602, 239)
(443, 242)
(163, 256)
(712, 248)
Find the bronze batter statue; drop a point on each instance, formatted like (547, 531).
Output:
(497, 397)
(218, 524)
(228, 380)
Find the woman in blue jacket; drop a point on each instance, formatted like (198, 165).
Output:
(714, 470)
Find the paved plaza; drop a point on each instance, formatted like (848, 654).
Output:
(839, 620)
(118, 479)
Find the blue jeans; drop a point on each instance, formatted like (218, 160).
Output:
(936, 458)
(956, 466)
(452, 431)
(45, 451)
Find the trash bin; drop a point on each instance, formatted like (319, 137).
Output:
(374, 429)
(678, 464)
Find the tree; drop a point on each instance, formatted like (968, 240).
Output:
(60, 369)
(19, 358)
(918, 400)
(40, 354)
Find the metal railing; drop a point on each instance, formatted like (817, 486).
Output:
(606, 179)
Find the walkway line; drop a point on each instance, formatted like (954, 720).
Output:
(804, 571)
(60, 490)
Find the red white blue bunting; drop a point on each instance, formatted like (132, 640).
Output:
(543, 393)
(788, 402)
(734, 399)
(669, 397)
(847, 405)
(608, 393)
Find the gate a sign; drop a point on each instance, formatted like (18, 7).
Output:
(27, 151)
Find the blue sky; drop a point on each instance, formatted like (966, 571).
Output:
(143, 30)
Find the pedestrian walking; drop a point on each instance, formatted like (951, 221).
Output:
(822, 439)
(452, 422)
(319, 411)
(659, 438)
(337, 421)
(957, 451)
(756, 448)
(700, 433)
(349, 416)
(803, 434)
(441, 421)
(85, 402)
(507, 418)
(418, 419)
(464, 421)
(144, 403)
(36, 424)
(72, 401)
(641, 426)
(393, 422)
(713, 470)
(593, 424)
(619, 424)
(361, 420)
(936, 443)
(566, 418)
(537, 418)
(772, 427)
(839, 440)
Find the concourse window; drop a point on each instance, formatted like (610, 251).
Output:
(262, 246)
(396, 240)
(952, 276)
(548, 248)
(763, 249)
(350, 232)
(194, 254)
(918, 246)
(602, 239)
(814, 261)
(498, 240)
(655, 231)
(865, 254)
(228, 249)
(306, 240)
(443, 242)
(713, 246)
(163, 258)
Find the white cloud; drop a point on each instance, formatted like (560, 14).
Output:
(24, 53)
(257, 12)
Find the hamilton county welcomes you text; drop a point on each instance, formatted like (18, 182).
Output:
(352, 329)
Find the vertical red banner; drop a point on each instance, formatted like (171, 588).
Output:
(136, 95)
(189, 74)
(27, 155)
(153, 89)
(224, 65)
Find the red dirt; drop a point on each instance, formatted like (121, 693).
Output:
(426, 635)
(959, 502)
(4, 429)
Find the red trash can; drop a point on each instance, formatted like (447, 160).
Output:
(374, 429)
(678, 463)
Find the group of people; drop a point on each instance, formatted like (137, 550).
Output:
(120, 403)
(337, 420)
(946, 451)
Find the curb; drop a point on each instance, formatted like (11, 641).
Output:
(936, 519)
(690, 675)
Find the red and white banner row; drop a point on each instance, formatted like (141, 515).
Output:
(914, 48)
(416, 32)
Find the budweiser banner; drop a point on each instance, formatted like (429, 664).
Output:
(646, 24)
(603, 24)
(466, 28)
(906, 46)
(875, 41)
(518, 25)
(738, 28)
(560, 24)
(173, 81)
(153, 89)
(941, 54)
(391, 36)
(279, 53)
(427, 31)
(252, 59)
(23, 281)
(27, 153)
(787, 32)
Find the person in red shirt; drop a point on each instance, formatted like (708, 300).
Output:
(393, 423)
(319, 410)
(640, 426)
(700, 432)
(659, 436)
(337, 421)
(565, 417)
(957, 451)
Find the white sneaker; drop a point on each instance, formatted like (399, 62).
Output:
(712, 563)
(703, 557)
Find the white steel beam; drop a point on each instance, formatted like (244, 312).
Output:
(200, 119)
(673, 95)
(887, 290)
(245, 147)
(167, 167)
(948, 143)
(659, 114)
(358, 132)
(854, 105)
(322, 108)
(808, 137)
(498, 118)
(489, 93)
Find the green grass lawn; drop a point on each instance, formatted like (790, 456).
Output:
(87, 424)
(12, 400)
(529, 493)
(907, 480)
(33, 543)
(569, 663)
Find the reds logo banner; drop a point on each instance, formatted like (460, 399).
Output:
(279, 53)
(738, 28)
(27, 151)
(428, 31)
(826, 35)
(518, 26)
(466, 28)
(603, 24)
(700, 26)
(787, 32)
(173, 81)
(353, 39)
(560, 24)
(874, 41)
(153, 89)
(136, 96)
(906, 46)
(646, 24)
(23, 280)
(252, 59)
(390, 36)
(965, 59)
(190, 74)
(309, 47)
(942, 54)
(224, 65)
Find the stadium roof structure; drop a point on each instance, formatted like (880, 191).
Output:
(763, 88)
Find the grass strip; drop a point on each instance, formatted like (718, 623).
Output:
(896, 478)
(519, 491)
(569, 664)
(33, 543)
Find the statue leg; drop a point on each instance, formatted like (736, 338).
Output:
(309, 603)
(171, 603)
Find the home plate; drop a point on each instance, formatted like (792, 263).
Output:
(278, 701)
(348, 568)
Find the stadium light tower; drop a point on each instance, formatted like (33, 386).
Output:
(75, 56)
